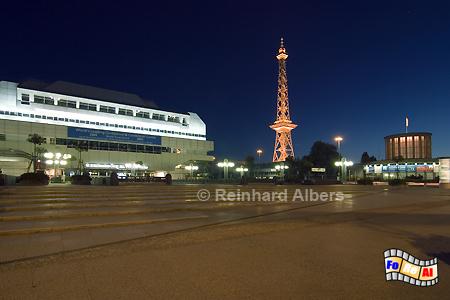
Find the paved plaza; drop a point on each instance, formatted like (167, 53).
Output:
(156, 241)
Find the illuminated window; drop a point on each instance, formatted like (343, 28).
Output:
(396, 152)
(409, 147)
(416, 147)
(422, 138)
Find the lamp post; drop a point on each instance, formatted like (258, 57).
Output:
(225, 165)
(191, 168)
(281, 168)
(338, 141)
(259, 152)
(343, 164)
(241, 170)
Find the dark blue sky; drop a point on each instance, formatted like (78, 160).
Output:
(355, 68)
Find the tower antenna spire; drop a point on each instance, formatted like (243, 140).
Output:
(283, 124)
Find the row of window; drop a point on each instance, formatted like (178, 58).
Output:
(76, 121)
(107, 146)
(25, 99)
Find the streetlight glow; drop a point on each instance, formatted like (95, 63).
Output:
(191, 168)
(48, 155)
(225, 164)
(259, 152)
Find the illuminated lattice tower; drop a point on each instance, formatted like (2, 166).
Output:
(283, 124)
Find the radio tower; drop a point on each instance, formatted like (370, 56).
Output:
(283, 125)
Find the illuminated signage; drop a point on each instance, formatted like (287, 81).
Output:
(422, 168)
(112, 136)
(127, 166)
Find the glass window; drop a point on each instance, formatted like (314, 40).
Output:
(49, 101)
(84, 106)
(143, 114)
(173, 119)
(423, 151)
(113, 147)
(131, 148)
(25, 99)
(158, 117)
(88, 106)
(125, 112)
(67, 103)
(39, 99)
(409, 147)
(157, 149)
(93, 145)
(103, 146)
(108, 109)
(61, 141)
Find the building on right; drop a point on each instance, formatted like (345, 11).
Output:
(408, 156)
(414, 145)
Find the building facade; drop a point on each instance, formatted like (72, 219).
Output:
(424, 169)
(120, 131)
(414, 145)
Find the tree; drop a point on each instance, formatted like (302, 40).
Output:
(299, 169)
(250, 163)
(323, 155)
(366, 159)
(36, 140)
(80, 146)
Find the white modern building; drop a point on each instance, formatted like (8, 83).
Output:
(118, 129)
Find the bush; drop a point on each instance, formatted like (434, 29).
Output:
(396, 182)
(39, 178)
(56, 180)
(168, 179)
(114, 179)
(365, 181)
(84, 179)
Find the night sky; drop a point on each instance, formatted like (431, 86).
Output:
(355, 68)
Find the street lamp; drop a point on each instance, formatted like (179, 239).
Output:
(343, 164)
(281, 168)
(56, 158)
(225, 165)
(191, 168)
(259, 152)
(338, 140)
(241, 170)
